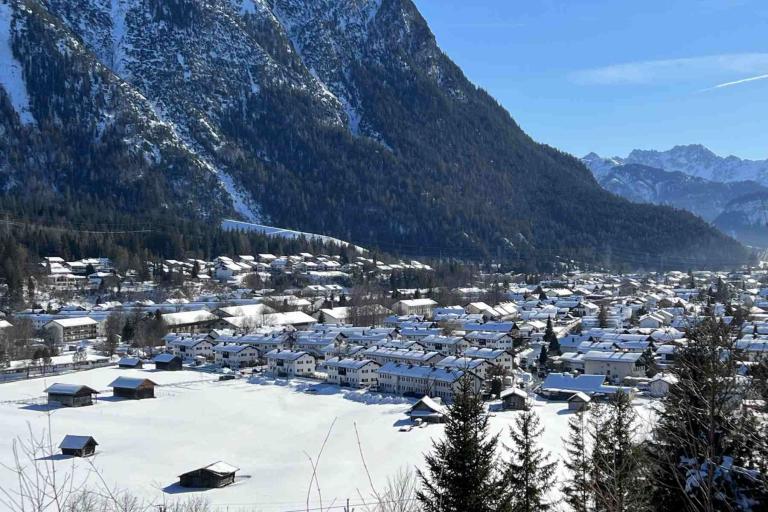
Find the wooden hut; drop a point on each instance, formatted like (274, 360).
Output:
(70, 395)
(428, 409)
(132, 387)
(130, 363)
(579, 402)
(78, 446)
(167, 362)
(514, 399)
(218, 474)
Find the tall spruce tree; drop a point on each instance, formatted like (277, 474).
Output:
(529, 474)
(553, 344)
(577, 489)
(461, 472)
(702, 435)
(618, 459)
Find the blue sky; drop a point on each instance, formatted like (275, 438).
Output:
(611, 76)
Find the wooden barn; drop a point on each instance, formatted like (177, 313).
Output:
(130, 363)
(428, 409)
(514, 399)
(78, 446)
(218, 474)
(167, 362)
(133, 387)
(70, 395)
(579, 402)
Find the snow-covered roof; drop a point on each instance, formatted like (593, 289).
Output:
(424, 372)
(484, 353)
(164, 358)
(513, 391)
(130, 382)
(188, 317)
(621, 357)
(353, 364)
(76, 442)
(79, 321)
(232, 349)
(68, 389)
(129, 361)
(286, 355)
(219, 468)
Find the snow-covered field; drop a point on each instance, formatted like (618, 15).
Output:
(266, 428)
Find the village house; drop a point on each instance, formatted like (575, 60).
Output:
(480, 367)
(395, 355)
(446, 345)
(423, 307)
(70, 395)
(69, 330)
(498, 357)
(415, 380)
(497, 340)
(615, 365)
(235, 356)
(289, 363)
(356, 373)
(189, 349)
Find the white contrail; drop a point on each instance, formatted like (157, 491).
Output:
(743, 80)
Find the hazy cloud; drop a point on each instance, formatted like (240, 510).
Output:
(668, 71)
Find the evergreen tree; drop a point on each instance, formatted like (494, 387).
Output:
(461, 471)
(551, 338)
(529, 474)
(602, 317)
(701, 431)
(618, 459)
(578, 487)
(543, 358)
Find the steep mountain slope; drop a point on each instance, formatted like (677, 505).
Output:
(340, 117)
(746, 218)
(698, 161)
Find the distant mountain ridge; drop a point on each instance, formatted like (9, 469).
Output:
(694, 160)
(337, 117)
(737, 208)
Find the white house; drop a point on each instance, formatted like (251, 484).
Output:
(405, 379)
(480, 367)
(660, 384)
(395, 355)
(67, 330)
(422, 307)
(235, 356)
(446, 345)
(497, 340)
(289, 363)
(498, 357)
(190, 348)
(356, 373)
(616, 366)
(651, 321)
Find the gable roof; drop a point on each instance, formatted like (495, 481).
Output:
(76, 442)
(131, 382)
(219, 468)
(68, 389)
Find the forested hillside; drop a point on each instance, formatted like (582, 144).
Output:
(340, 117)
